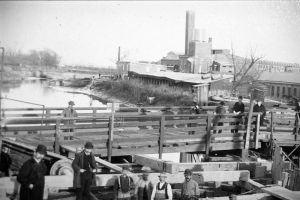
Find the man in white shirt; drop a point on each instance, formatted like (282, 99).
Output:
(162, 190)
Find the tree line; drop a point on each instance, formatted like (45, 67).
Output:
(46, 57)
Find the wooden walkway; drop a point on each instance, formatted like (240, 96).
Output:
(160, 130)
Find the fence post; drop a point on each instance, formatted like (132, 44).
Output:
(48, 111)
(208, 134)
(272, 125)
(297, 128)
(257, 131)
(245, 151)
(57, 136)
(111, 134)
(161, 136)
(94, 115)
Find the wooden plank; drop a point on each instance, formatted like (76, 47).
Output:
(108, 164)
(110, 138)
(281, 193)
(57, 136)
(161, 136)
(153, 163)
(208, 135)
(257, 131)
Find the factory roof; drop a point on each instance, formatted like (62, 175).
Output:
(185, 77)
(286, 77)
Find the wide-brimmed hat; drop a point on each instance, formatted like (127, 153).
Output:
(42, 149)
(163, 174)
(71, 103)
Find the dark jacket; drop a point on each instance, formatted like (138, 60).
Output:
(32, 173)
(260, 108)
(239, 107)
(5, 162)
(77, 164)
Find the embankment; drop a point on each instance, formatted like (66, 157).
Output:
(134, 92)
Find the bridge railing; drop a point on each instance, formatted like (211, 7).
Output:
(125, 133)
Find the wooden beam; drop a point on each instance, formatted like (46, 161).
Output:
(108, 164)
(161, 136)
(208, 134)
(171, 167)
(282, 193)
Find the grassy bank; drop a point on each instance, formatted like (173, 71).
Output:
(135, 92)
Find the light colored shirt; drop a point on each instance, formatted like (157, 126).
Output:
(160, 185)
(190, 188)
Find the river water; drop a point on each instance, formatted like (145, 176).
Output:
(38, 91)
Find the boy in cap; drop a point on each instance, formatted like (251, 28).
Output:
(190, 188)
(69, 112)
(123, 185)
(84, 166)
(162, 190)
(32, 176)
(144, 187)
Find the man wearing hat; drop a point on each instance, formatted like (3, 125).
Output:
(190, 188)
(123, 185)
(162, 190)
(144, 187)
(32, 176)
(84, 166)
(69, 112)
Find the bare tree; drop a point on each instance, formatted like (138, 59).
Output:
(245, 70)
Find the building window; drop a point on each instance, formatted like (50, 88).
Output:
(289, 91)
(272, 91)
(295, 92)
(278, 91)
(283, 91)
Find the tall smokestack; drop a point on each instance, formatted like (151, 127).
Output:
(189, 29)
(119, 54)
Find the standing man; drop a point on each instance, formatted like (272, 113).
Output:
(69, 112)
(162, 190)
(5, 161)
(32, 176)
(84, 166)
(123, 185)
(220, 111)
(144, 187)
(190, 188)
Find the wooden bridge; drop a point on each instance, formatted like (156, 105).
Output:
(128, 131)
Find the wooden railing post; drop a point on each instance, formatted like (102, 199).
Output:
(257, 131)
(297, 127)
(94, 115)
(272, 126)
(208, 134)
(245, 152)
(161, 137)
(48, 112)
(111, 134)
(57, 136)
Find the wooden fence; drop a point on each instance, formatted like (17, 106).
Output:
(129, 133)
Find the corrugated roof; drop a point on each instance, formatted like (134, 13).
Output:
(286, 77)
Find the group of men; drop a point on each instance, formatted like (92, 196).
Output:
(32, 180)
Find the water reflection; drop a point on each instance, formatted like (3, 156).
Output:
(38, 91)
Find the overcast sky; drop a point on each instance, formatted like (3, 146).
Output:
(90, 32)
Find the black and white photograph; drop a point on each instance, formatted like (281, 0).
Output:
(150, 100)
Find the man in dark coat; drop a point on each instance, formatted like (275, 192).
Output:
(259, 107)
(5, 161)
(238, 110)
(84, 166)
(32, 176)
